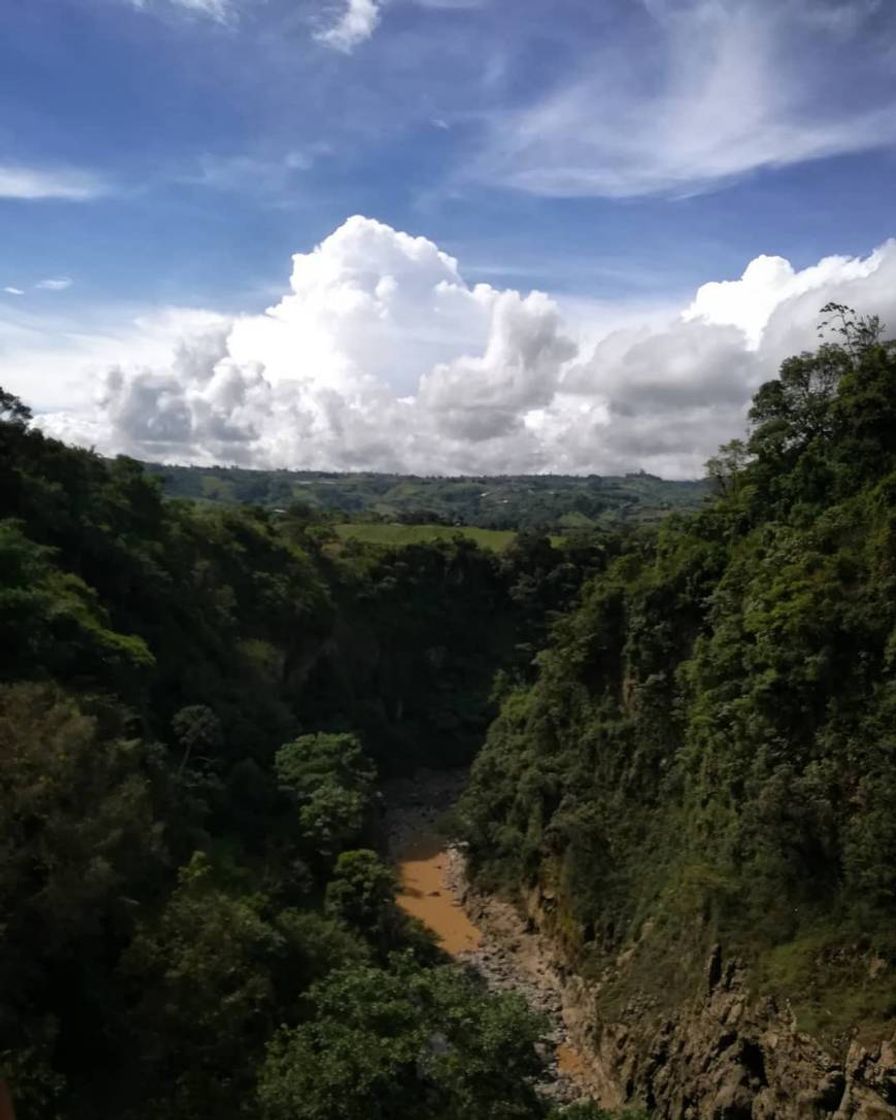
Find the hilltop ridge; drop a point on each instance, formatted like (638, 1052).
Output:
(486, 502)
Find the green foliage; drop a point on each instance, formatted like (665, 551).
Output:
(404, 1043)
(707, 753)
(212, 975)
(361, 893)
(332, 783)
(78, 827)
(202, 973)
(421, 633)
(702, 750)
(53, 620)
(12, 411)
(173, 879)
(80, 847)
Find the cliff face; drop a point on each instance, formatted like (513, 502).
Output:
(705, 753)
(727, 1056)
(724, 1054)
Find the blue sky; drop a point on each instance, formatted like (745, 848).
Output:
(175, 153)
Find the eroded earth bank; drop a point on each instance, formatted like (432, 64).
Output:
(727, 1054)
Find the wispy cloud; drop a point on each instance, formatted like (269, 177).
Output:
(221, 11)
(451, 4)
(356, 24)
(70, 184)
(54, 284)
(716, 91)
(50, 284)
(250, 172)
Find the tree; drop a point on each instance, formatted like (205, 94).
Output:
(796, 407)
(12, 410)
(81, 849)
(77, 831)
(361, 893)
(404, 1044)
(199, 974)
(858, 333)
(52, 620)
(865, 412)
(331, 781)
(725, 469)
(196, 728)
(311, 761)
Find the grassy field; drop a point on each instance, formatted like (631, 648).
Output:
(396, 535)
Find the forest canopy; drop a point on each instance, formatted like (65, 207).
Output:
(708, 752)
(196, 705)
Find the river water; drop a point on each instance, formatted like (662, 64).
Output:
(432, 889)
(425, 894)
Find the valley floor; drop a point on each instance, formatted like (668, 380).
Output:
(484, 934)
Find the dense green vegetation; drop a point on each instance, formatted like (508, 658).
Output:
(543, 502)
(195, 706)
(708, 753)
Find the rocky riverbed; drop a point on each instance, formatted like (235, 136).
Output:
(480, 932)
(727, 1053)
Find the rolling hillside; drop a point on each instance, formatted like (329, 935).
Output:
(506, 502)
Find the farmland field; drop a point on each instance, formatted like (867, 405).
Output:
(394, 534)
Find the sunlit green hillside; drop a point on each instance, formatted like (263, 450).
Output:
(394, 534)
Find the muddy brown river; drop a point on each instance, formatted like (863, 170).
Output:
(425, 894)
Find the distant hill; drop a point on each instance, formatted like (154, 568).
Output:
(505, 502)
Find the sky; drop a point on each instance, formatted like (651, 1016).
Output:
(438, 236)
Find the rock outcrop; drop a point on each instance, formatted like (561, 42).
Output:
(727, 1056)
(724, 1055)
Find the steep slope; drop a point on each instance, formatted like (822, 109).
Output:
(705, 768)
(193, 705)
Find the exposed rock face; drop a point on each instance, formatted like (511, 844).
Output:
(723, 1056)
(726, 1057)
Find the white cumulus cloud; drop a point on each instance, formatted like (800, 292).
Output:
(767, 281)
(479, 396)
(381, 356)
(357, 23)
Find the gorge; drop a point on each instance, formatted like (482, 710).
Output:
(663, 753)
